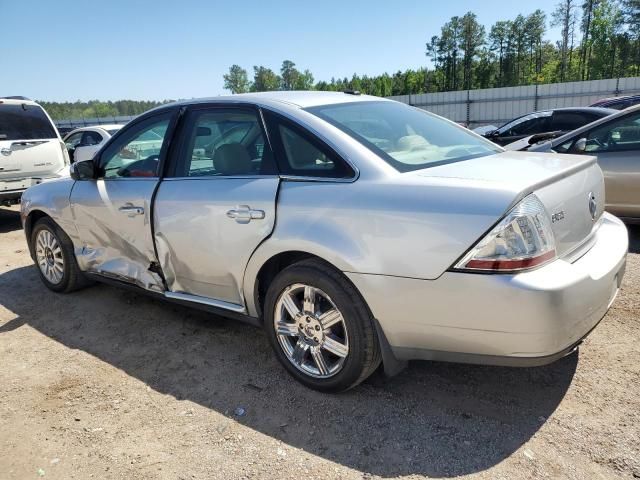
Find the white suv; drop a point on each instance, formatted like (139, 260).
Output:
(31, 150)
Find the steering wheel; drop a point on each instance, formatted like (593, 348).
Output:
(147, 167)
(596, 142)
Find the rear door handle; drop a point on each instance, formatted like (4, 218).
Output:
(244, 214)
(132, 210)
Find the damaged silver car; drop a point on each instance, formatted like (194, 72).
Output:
(356, 231)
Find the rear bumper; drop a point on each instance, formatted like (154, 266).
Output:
(525, 319)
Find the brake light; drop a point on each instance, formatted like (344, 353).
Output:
(522, 240)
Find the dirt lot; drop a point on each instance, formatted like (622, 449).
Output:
(105, 383)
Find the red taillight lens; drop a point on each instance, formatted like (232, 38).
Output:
(522, 240)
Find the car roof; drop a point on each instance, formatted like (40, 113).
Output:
(17, 101)
(93, 127)
(602, 110)
(111, 126)
(613, 99)
(298, 98)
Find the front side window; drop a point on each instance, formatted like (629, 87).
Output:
(223, 142)
(24, 122)
(405, 137)
(137, 152)
(623, 134)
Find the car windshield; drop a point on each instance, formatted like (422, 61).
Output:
(406, 137)
(112, 131)
(24, 122)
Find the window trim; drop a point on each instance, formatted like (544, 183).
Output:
(172, 160)
(173, 116)
(315, 137)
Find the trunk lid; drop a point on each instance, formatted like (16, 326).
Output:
(571, 187)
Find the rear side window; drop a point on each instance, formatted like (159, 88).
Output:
(300, 153)
(571, 120)
(24, 122)
(90, 138)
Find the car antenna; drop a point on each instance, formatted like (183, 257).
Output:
(351, 92)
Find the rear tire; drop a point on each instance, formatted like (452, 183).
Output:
(320, 327)
(54, 256)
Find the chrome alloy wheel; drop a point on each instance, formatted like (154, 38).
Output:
(49, 256)
(311, 330)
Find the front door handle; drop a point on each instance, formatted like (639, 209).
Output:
(131, 210)
(244, 214)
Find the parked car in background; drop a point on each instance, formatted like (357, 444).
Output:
(551, 122)
(484, 129)
(31, 150)
(64, 130)
(615, 142)
(82, 143)
(354, 230)
(618, 103)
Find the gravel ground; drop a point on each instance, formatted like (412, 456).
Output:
(105, 383)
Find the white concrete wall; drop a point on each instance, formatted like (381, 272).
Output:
(498, 105)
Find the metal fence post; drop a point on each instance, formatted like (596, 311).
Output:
(535, 99)
(468, 108)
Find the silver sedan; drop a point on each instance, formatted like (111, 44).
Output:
(356, 231)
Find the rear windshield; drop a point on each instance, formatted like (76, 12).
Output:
(24, 122)
(406, 137)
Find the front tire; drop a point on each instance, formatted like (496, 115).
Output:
(320, 328)
(53, 253)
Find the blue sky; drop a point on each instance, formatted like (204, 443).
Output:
(68, 50)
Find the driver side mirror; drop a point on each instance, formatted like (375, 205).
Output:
(580, 146)
(84, 170)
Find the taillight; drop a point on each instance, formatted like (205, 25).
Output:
(522, 240)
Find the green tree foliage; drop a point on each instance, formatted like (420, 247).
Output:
(289, 75)
(264, 80)
(599, 39)
(236, 80)
(97, 109)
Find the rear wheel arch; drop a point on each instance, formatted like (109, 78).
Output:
(272, 267)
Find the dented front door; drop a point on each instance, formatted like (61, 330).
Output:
(113, 213)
